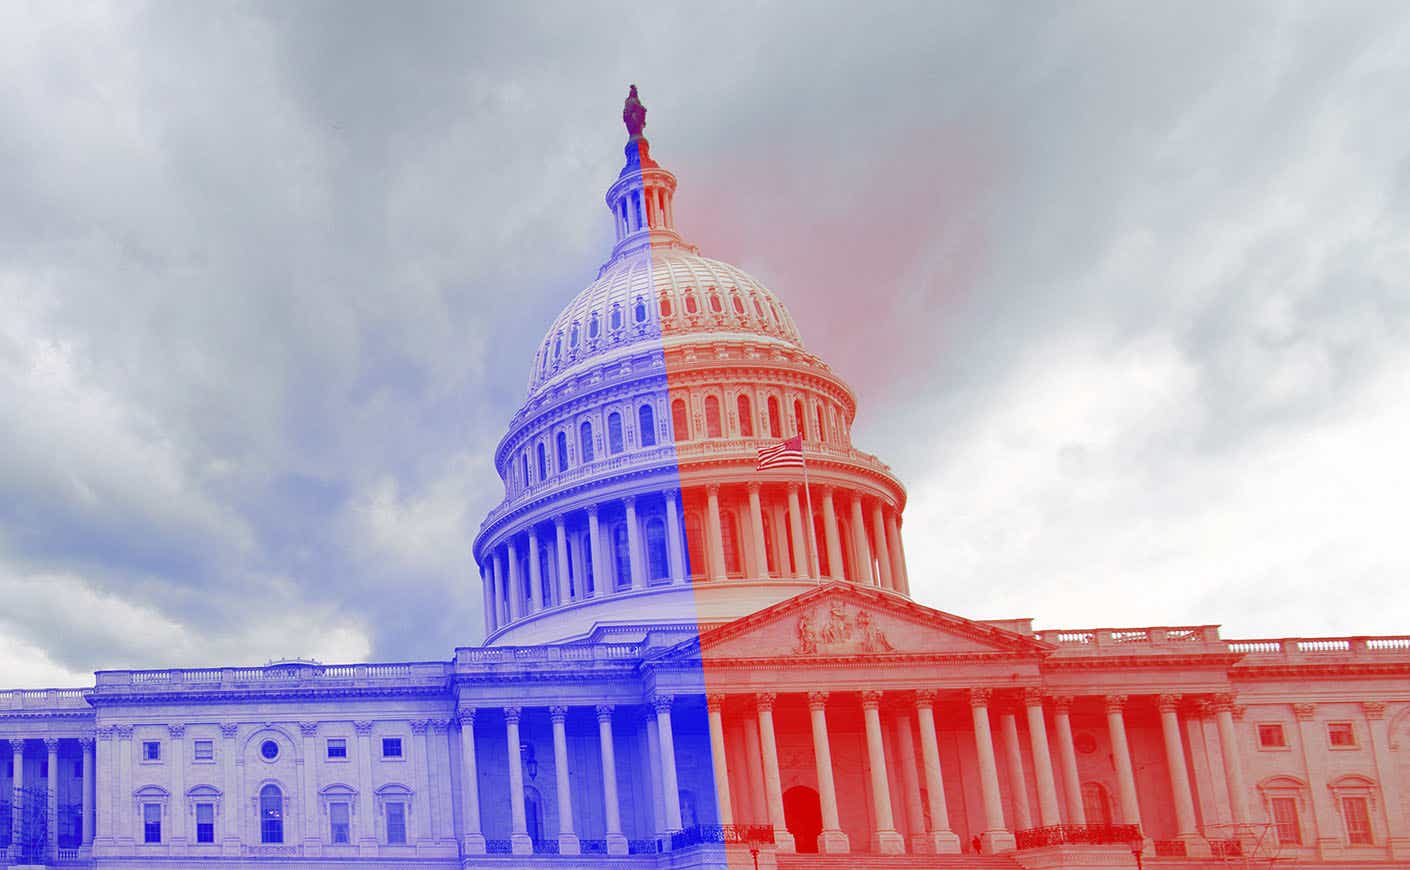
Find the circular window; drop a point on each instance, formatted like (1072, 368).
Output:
(1085, 743)
(269, 750)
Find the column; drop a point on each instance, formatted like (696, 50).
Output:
(674, 553)
(634, 551)
(366, 821)
(1324, 809)
(474, 843)
(178, 783)
(670, 786)
(17, 802)
(515, 589)
(883, 554)
(230, 826)
(51, 786)
(860, 545)
(834, 538)
(567, 837)
(442, 783)
(715, 543)
(487, 599)
(780, 535)
(1048, 814)
(1185, 827)
(715, 705)
(565, 586)
(1121, 754)
(421, 776)
(1067, 757)
(753, 768)
(1018, 785)
(773, 787)
(595, 554)
(899, 575)
(1223, 707)
(653, 762)
(1397, 835)
(308, 788)
(535, 572)
(997, 838)
(520, 844)
(501, 590)
(124, 816)
(886, 840)
(107, 772)
(802, 559)
(756, 528)
(833, 840)
(616, 842)
(910, 779)
(942, 840)
(89, 792)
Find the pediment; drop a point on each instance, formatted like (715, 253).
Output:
(846, 620)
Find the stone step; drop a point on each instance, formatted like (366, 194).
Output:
(895, 862)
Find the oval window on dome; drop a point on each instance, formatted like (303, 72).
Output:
(557, 347)
(715, 305)
(573, 336)
(640, 311)
(738, 304)
(616, 318)
(758, 308)
(774, 310)
(665, 307)
(593, 328)
(690, 305)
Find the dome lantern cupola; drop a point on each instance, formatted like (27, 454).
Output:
(641, 197)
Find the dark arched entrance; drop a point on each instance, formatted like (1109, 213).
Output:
(802, 813)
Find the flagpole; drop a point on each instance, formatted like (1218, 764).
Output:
(812, 530)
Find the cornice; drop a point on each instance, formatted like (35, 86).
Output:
(1139, 662)
(1247, 671)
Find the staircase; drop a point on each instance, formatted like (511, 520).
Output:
(896, 862)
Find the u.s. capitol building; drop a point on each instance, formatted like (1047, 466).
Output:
(689, 662)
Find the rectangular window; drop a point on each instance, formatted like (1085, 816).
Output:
(1358, 821)
(1270, 736)
(338, 816)
(151, 750)
(1285, 821)
(205, 823)
(151, 823)
(337, 747)
(1340, 735)
(391, 747)
(78, 770)
(203, 750)
(396, 822)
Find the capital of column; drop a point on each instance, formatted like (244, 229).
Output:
(1373, 709)
(308, 729)
(420, 726)
(1168, 703)
(715, 701)
(559, 521)
(662, 703)
(512, 714)
(363, 728)
(51, 744)
(925, 698)
(1062, 703)
(817, 700)
(871, 699)
(85, 742)
(1114, 703)
(592, 510)
(793, 488)
(123, 732)
(629, 501)
(1222, 702)
(228, 730)
(1033, 697)
(103, 732)
(765, 701)
(176, 731)
(712, 489)
(16, 744)
(980, 697)
(558, 713)
(1304, 712)
(754, 487)
(439, 726)
(604, 712)
(466, 715)
(1201, 708)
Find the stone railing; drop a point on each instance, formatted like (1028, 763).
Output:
(1078, 835)
(43, 699)
(675, 455)
(1313, 649)
(520, 655)
(1106, 641)
(696, 835)
(282, 673)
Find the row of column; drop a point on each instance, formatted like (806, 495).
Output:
(879, 558)
(569, 843)
(86, 788)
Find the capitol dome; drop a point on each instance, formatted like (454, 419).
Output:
(633, 501)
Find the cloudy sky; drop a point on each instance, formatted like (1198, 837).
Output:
(1124, 291)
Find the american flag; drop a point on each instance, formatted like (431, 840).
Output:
(785, 454)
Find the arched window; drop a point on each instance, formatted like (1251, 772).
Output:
(746, 416)
(759, 308)
(819, 545)
(738, 304)
(770, 557)
(640, 311)
(797, 417)
(773, 309)
(593, 327)
(545, 577)
(1096, 806)
(573, 337)
(614, 432)
(557, 347)
(680, 421)
(543, 462)
(822, 425)
(715, 303)
(646, 425)
(713, 429)
(729, 537)
(657, 561)
(616, 318)
(694, 545)
(271, 814)
(585, 442)
(775, 423)
(691, 307)
(560, 442)
(621, 553)
(524, 468)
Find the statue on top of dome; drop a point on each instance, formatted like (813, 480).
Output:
(634, 114)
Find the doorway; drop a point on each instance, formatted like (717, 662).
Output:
(802, 814)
